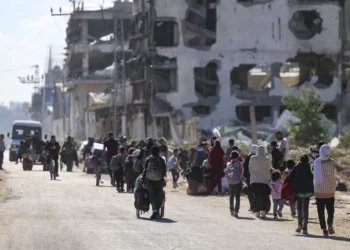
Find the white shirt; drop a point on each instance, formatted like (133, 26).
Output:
(283, 144)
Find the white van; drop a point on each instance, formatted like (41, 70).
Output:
(20, 131)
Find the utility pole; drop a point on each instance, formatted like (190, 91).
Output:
(33, 79)
(253, 124)
(119, 68)
(152, 52)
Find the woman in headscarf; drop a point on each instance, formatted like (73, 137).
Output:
(324, 187)
(246, 175)
(216, 162)
(259, 168)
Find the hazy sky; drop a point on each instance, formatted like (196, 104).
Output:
(26, 31)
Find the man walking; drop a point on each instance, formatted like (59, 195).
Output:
(2, 150)
(283, 147)
(112, 147)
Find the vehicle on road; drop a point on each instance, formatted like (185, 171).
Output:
(20, 132)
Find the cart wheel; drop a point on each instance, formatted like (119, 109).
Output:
(137, 213)
(162, 210)
(98, 178)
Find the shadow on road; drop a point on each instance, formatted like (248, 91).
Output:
(326, 238)
(245, 218)
(163, 220)
(276, 220)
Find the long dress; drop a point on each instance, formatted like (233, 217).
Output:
(216, 156)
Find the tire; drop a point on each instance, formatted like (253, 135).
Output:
(98, 178)
(24, 165)
(30, 168)
(162, 211)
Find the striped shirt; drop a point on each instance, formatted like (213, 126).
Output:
(326, 189)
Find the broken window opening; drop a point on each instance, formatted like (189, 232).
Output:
(262, 113)
(305, 24)
(200, 24)
(211, 15)
(165, 33)
(201, 110)
(250, 76)
(330, 111)
(164, 80)
(206, 80)
(308, 68)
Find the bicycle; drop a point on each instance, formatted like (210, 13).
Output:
(51, 167)
(98, 173)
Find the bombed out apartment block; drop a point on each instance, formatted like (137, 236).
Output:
(91, 48)
(212, 59)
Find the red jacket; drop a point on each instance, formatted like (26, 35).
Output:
(287, 193)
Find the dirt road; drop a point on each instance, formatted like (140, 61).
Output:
(72, 213)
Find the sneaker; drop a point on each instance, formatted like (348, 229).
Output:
(331, 230)
(275, 217)
(325, 233)
(235, 214)
(231, 212)
(294, 214)
(305, 231)
(279, 212)
(257, 214)
(298, 230)
(263, 214)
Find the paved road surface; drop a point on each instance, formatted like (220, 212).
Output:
(72, 213)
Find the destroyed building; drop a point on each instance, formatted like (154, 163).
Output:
(213, 59)
(91, 49)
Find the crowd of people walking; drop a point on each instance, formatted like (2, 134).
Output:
(287, 182)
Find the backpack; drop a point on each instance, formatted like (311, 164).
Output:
(138, 166)
(233, 174)
(141, 195)
(116, 163)
(155, 169)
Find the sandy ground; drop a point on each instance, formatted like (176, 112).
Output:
(72, 213)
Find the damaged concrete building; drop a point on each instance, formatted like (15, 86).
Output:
(90, 63)
(213, 59)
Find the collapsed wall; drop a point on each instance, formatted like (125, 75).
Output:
(228, 55)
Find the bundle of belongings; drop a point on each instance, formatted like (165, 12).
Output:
(196, 181)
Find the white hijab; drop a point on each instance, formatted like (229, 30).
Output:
(325, 154)
(253, 149)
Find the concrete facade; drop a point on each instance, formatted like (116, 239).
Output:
(231, 54)
(90, 63)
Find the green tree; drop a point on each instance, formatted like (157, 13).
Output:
(307, 107)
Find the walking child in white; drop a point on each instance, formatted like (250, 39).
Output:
(276, 190)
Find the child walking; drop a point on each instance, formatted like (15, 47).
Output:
(234, 175)
(276, 190)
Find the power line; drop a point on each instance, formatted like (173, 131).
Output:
(15, 69)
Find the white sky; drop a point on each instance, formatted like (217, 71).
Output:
(26, 31)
